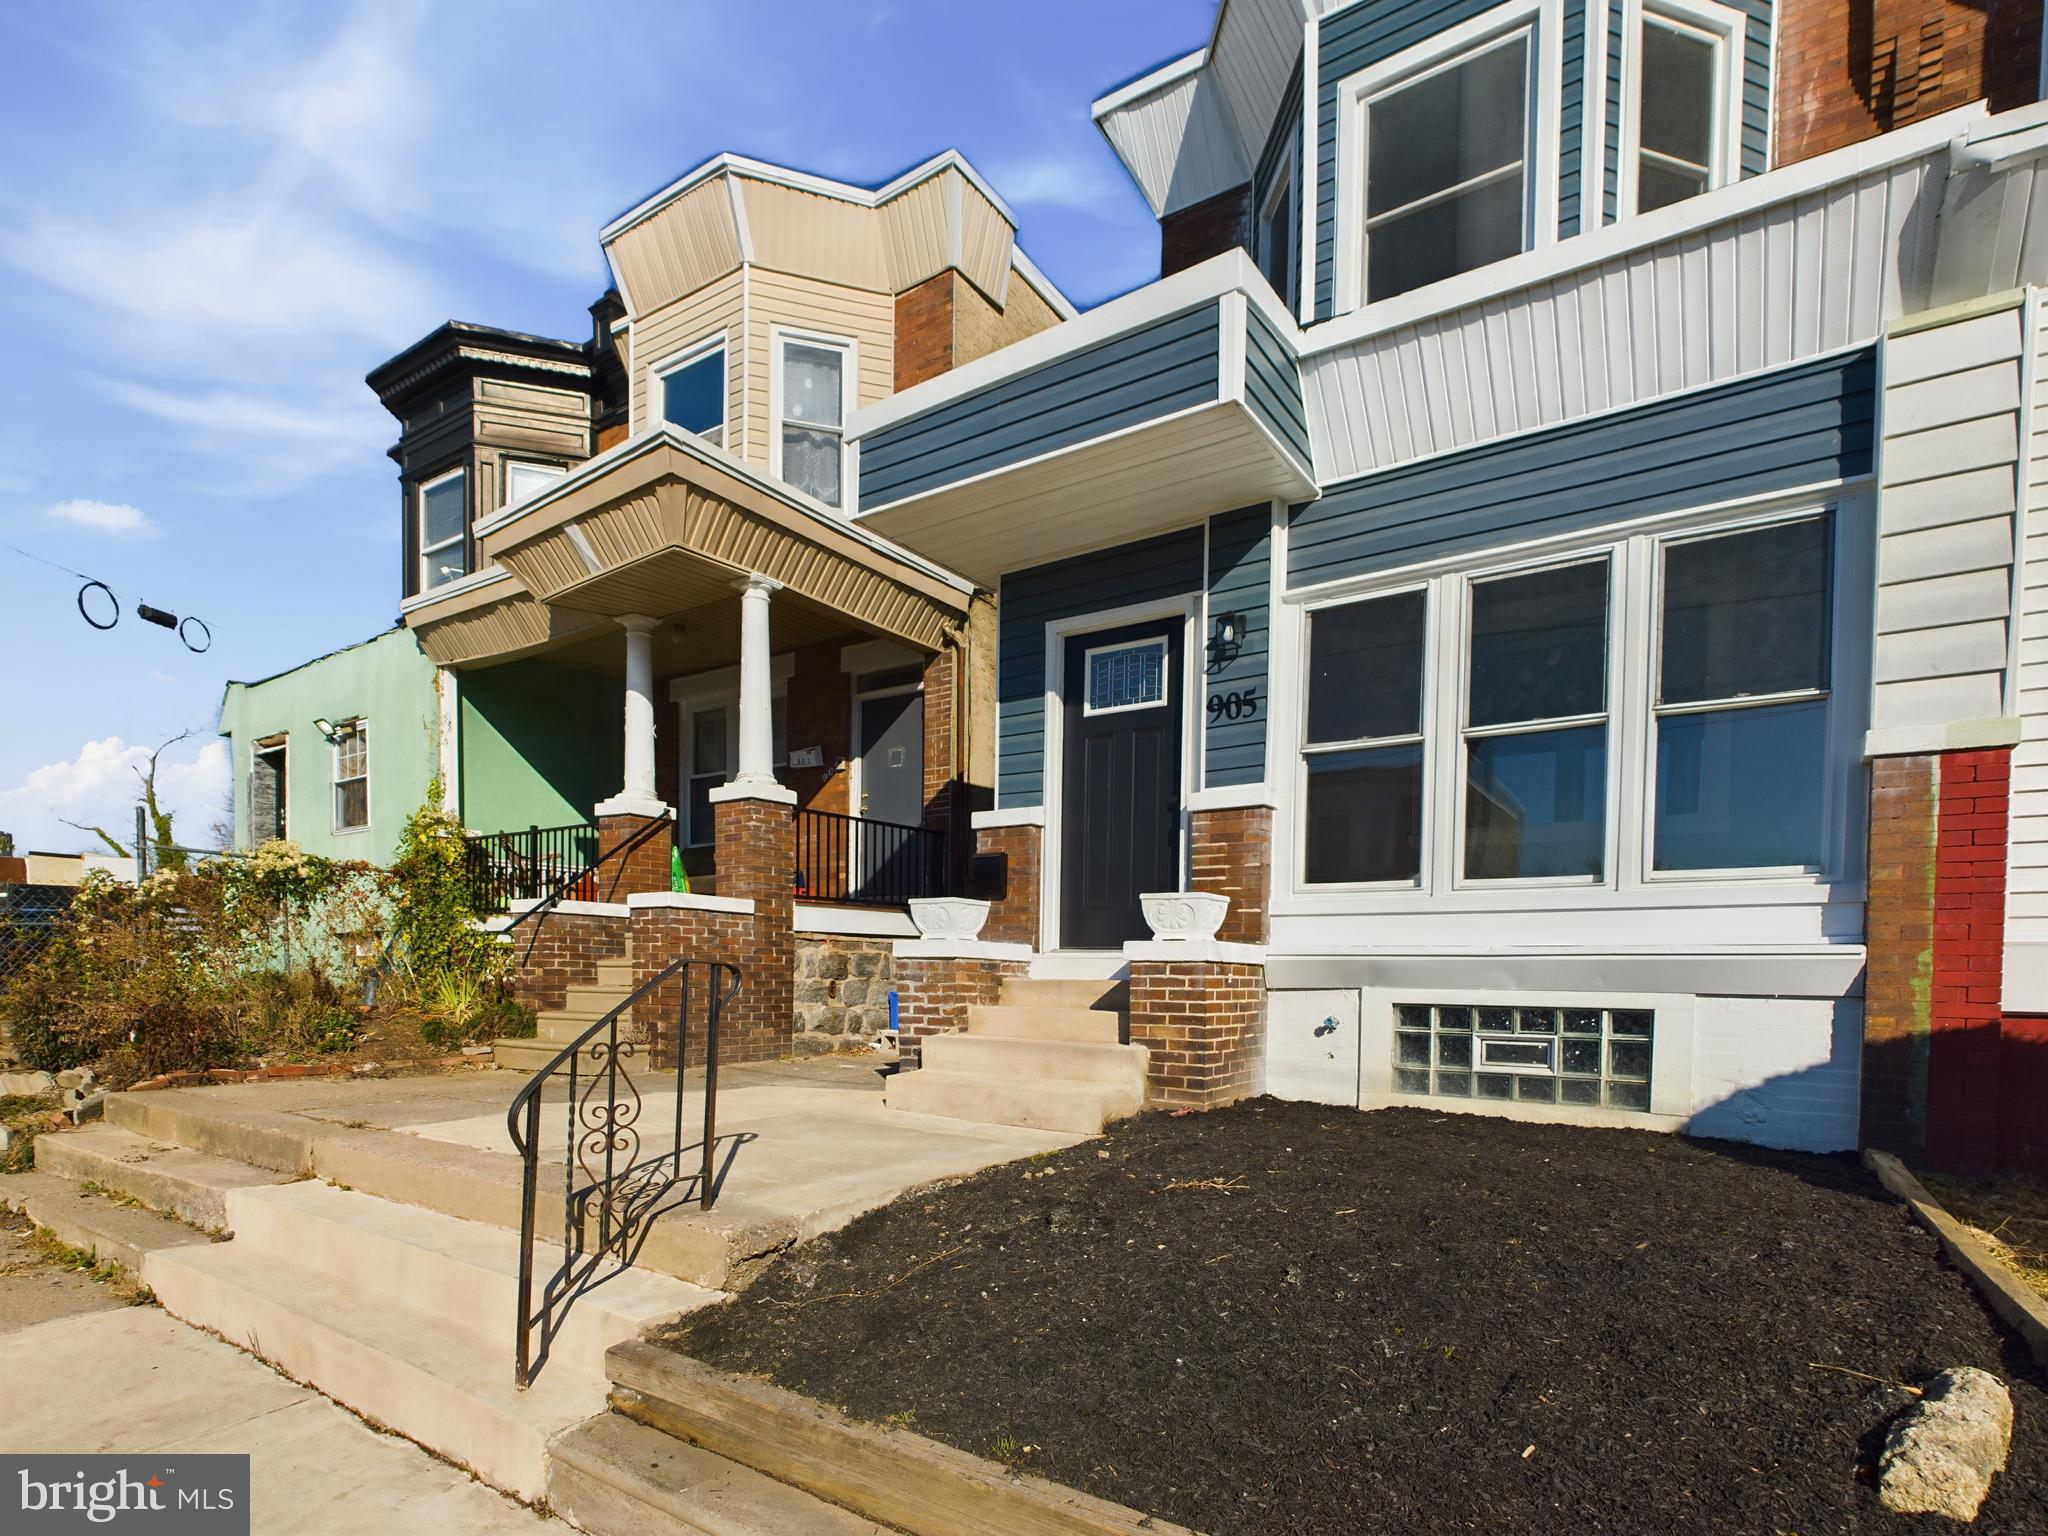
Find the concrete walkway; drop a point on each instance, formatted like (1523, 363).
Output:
(138, 1380)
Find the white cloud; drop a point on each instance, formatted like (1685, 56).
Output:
(1062, 183)
(100, 786)
(104, 516)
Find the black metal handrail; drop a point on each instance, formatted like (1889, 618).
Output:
(858, 861)
(504, 867)
(610, 1194)
(585, 879)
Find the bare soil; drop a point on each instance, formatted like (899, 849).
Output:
(1284, 1317)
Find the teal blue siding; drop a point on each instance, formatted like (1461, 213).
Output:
(1119, 383)
(1149, 571)
(1272, 384)
(1756, 87)
(1769, 432)
(1571, 130)
(1610, 170)
(1240, 564)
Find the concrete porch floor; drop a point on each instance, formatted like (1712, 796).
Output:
(808, 1143)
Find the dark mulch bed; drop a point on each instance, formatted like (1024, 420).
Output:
(1401, 1321)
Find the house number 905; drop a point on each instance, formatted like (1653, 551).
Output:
(1241, 705)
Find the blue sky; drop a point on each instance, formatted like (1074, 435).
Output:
(215, 218)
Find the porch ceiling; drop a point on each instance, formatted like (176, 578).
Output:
(664, 529)
(1164, 474)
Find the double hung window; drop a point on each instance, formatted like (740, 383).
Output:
(1742, 699)
(1363, 762)
(1682, 100)
(1447, 168)
(1536, 725)
(692, 393)
(813, 441)
(444, 529)
(351, 776)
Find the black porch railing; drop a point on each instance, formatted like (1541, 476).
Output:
(505, 867)
(856, 861)
(613, 1190)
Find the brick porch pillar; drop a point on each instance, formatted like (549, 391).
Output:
(1009, 842)
(1199, 1006)
(645, 868)
(753, 828)
(1230, 853)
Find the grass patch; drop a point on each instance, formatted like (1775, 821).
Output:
(2010, 1215)
(24, 1115)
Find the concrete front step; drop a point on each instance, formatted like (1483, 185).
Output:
(1079, 1108)
(192, 1186)
(594, 1002)
(612, 1477)
(104, 1228)
(1082, 1026)
(445, 1386)
(1037, 1059)
(525, 1057)
(464, 1272)
(616, 974)
(1060, 992)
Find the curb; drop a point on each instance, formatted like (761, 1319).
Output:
(2011, 1300)
(285, 1074)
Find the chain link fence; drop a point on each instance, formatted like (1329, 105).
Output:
(30, 915)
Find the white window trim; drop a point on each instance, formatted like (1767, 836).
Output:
(1723, 26)
(695, 352)
(1544, 21)
(1283, 187)
(703, 693)
(1053, 764)
(513, 461)
(1087, 680)
(335, 780)
(1627, 887)
(1420, 736)
(779, 337)
(420, 525)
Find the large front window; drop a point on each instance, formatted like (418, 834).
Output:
(813, 428)
(1536, 725)
(1742, 699)
(444, 529)
(1447, 160)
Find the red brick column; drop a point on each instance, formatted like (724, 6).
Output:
(1231, 853)
(756, 847)
(565, 950)
(1898, 975)
(669, 927)
(1203, 1017)
(1969, 961)
(936, 984)
(645, 868)
(1013, 915)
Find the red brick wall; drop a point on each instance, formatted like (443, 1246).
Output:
(924, 330)
(1206, 229)
(1205, 1024)
(820, 714)
(644, 868)
(2023, 1095)
(1013, 917)
(933, 995)
(565, 951)
(1848, 70)
(757, 860)
(1898, 977)
(1231, 852)
(665, 934)
(1969, 958)
(938, 739)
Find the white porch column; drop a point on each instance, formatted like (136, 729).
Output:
(637, 796)
(757, 706)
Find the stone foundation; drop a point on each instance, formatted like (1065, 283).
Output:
(842, 991)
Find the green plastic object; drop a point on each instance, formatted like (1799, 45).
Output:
(678, 877)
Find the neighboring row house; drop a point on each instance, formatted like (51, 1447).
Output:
(1553, 548)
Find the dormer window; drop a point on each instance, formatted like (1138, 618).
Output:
(1682, 103)
(691, 391)
(444, 529)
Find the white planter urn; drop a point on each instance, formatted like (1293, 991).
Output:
(947, 917)
(1184, 915)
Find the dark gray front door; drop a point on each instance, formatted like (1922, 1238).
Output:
(891, 791)
(1120, 790)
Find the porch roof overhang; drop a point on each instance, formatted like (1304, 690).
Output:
(664, 525)
(1148, 413)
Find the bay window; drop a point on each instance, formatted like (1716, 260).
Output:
(1447, 168)
(529, 477)
(1536, 725)
(1362, 764)
(691, 391)
(1742, 699)
(812, 434)
(443, 529)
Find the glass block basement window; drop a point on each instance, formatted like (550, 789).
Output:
(1597, 1057)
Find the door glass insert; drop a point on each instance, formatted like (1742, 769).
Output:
(1126, 677)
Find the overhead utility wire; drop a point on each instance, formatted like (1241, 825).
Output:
(191, 630)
